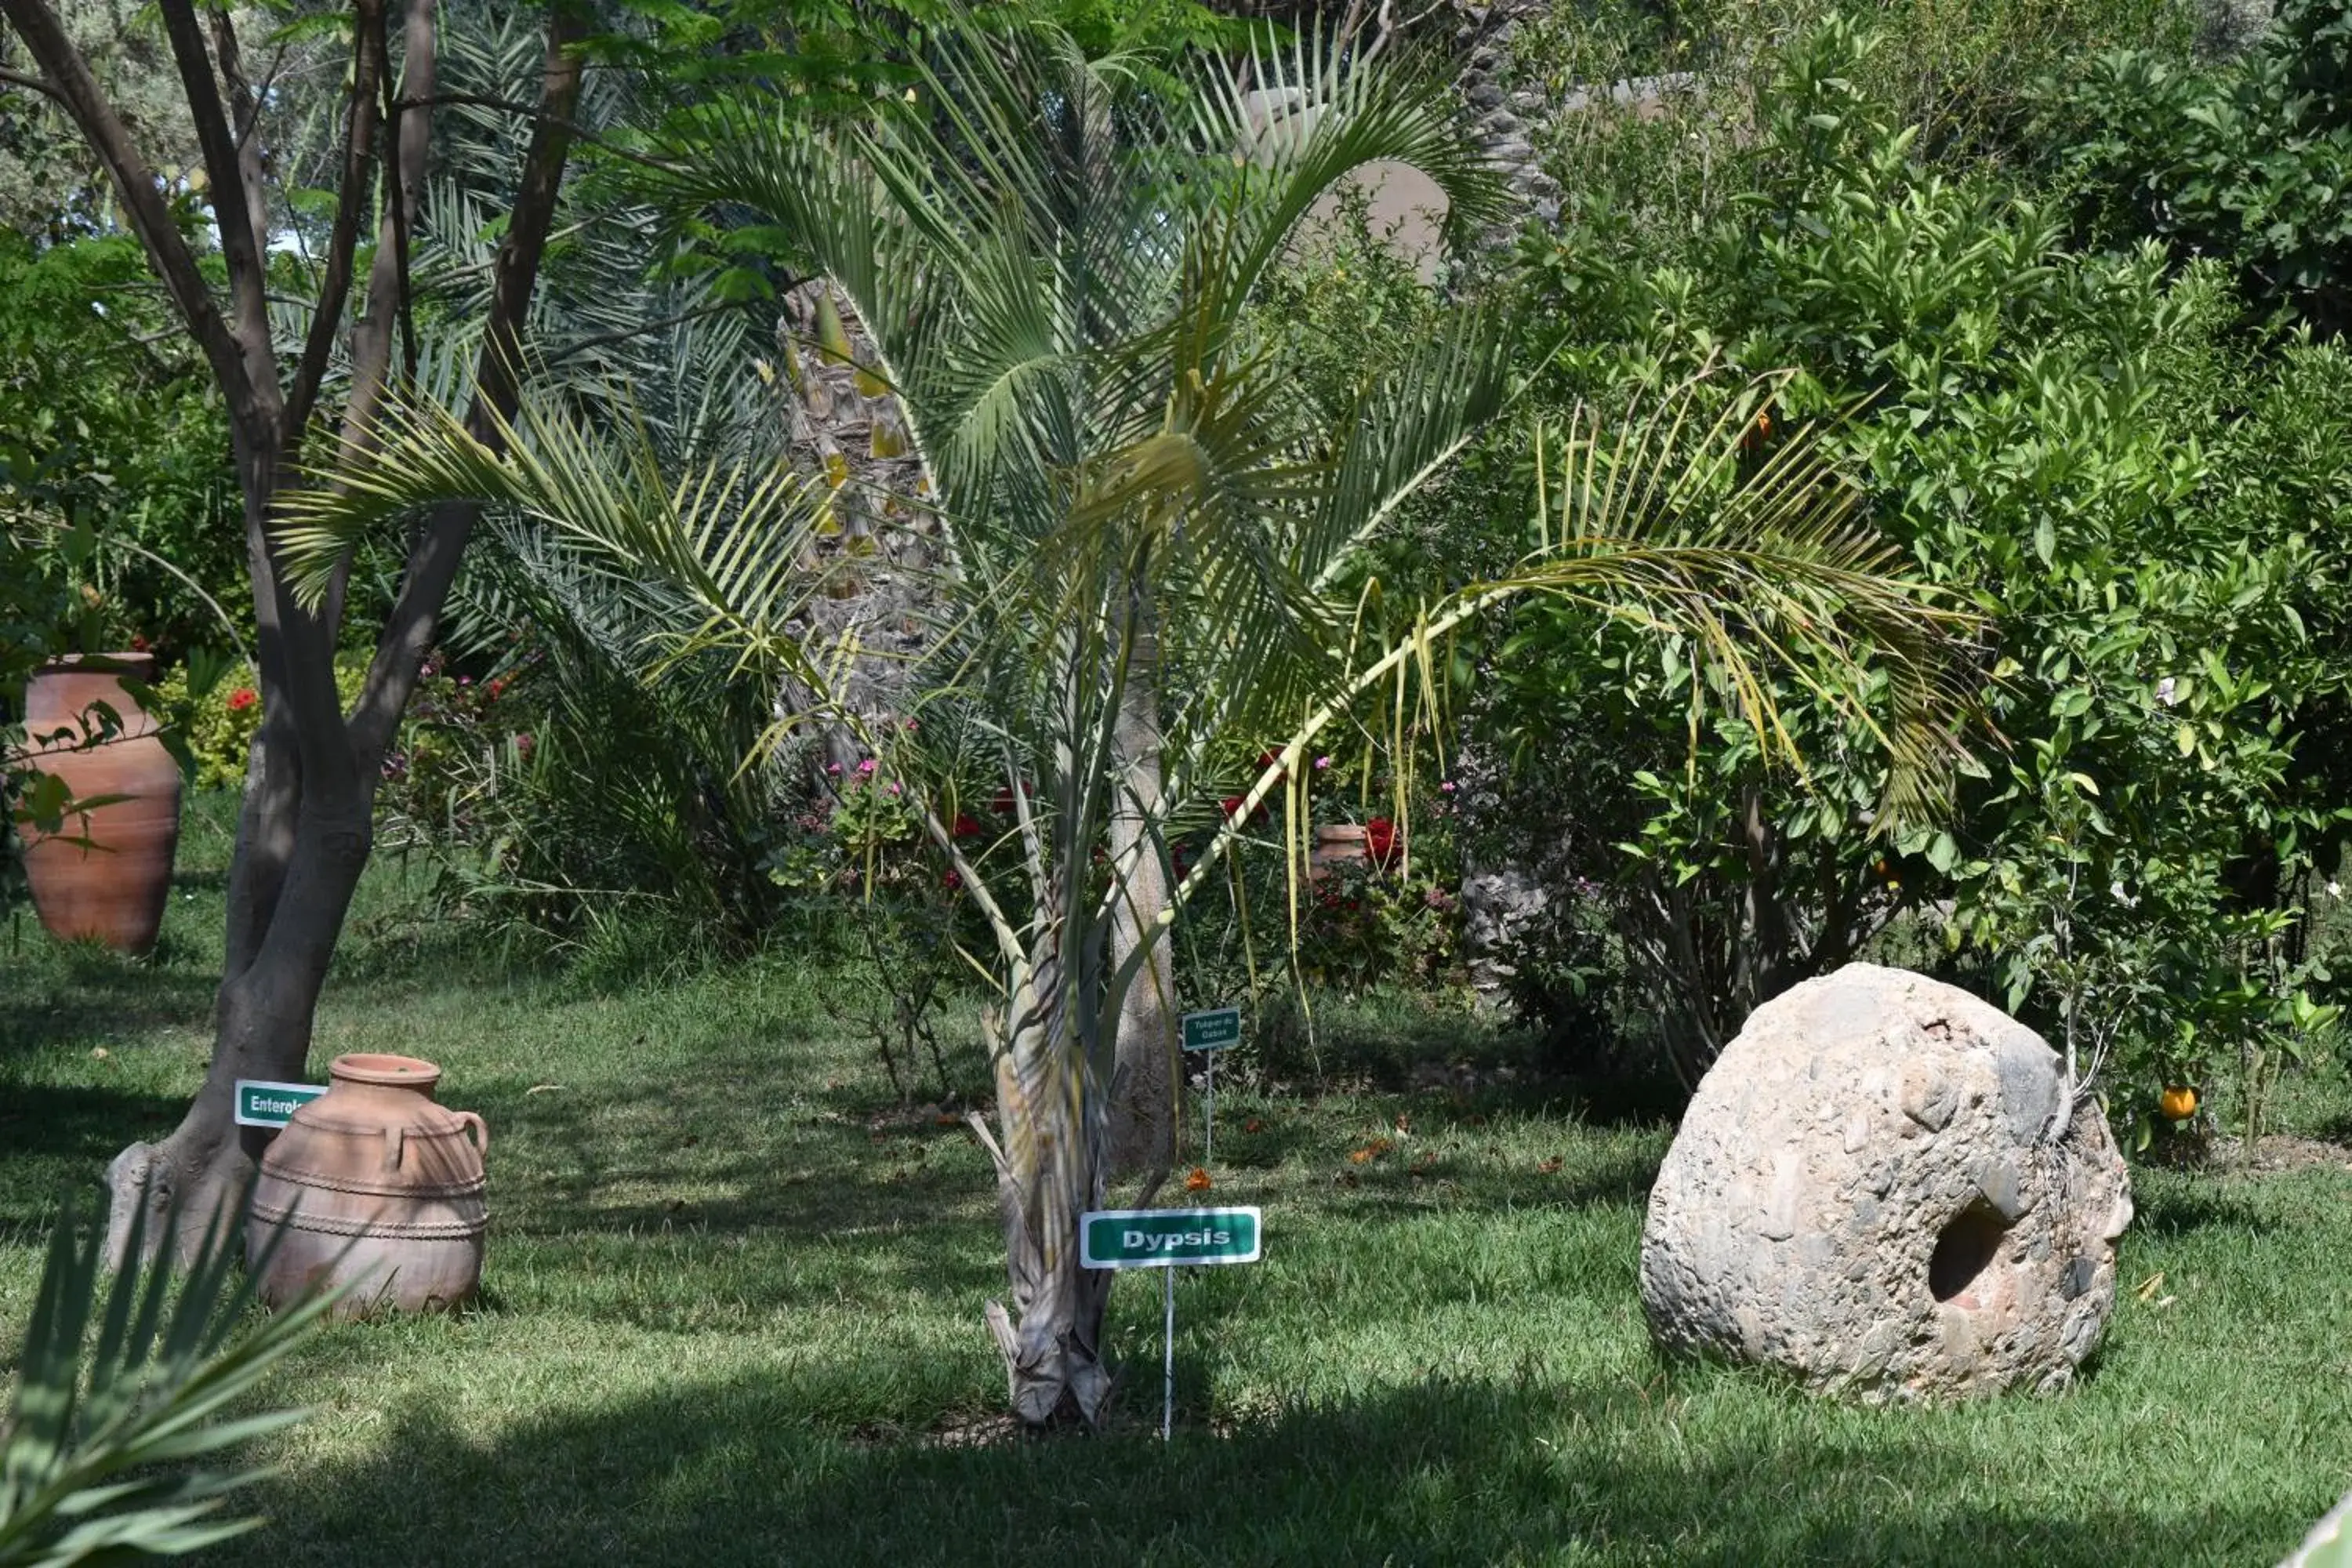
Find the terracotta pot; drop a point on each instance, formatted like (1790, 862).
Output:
(114, 886)
(385, 1188)
(1338, 844)
(1351, 844)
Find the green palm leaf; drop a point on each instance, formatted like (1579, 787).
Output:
(95, 1457)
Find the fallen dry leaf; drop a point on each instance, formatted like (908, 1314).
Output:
(1198, 1181)
(1549, 1166)
(1254, 1124)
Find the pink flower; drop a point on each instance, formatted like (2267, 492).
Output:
(524, 745)
(832, 768)
(866, 766)
(1322, 762)
(1445, 786)
(894, 787)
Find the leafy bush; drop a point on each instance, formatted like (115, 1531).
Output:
(115, 435)
(2076, 447)
(2246, 161)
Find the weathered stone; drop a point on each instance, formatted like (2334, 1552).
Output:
(1877, 1189)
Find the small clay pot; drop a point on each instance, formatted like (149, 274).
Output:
(1336, 844)
(107, 874)
(383, 1188)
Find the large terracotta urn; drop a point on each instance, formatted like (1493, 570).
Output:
(379, 1189)
(106, 873)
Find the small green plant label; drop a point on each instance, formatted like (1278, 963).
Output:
(1217, 1029)
(1162, 1238)
(263, 1104)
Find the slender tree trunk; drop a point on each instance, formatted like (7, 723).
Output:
(1146, 1078)
(1049, 1170)
(306, 828)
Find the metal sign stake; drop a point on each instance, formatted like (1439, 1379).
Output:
(1167, 1339)
(1209, 1148)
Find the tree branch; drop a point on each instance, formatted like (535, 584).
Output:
(245, 104)
(342, 241)
(387, 286)
(255, 399)
(441, 542)
(69, 82)
(17, 79)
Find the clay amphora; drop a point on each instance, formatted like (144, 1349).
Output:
(113, 887)
(385, 1188)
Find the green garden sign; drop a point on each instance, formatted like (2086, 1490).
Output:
(1163, 1238)
(1217, 1029)
(1167, 1240)
(263, 1104)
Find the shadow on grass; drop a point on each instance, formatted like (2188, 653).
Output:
(765, 1470)
(53, 1136)
(80, 992)
(2170, 1204)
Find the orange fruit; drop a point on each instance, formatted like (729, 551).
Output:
(2177, 1103)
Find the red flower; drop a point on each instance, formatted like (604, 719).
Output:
(497, 685)
(1380, 840)
(1272, 760)
(965, 827)
(243, 697)
(138, 643)
(952, 880)
(1002, 804)
(1233, 805)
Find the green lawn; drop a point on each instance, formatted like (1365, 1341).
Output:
(732, 1315)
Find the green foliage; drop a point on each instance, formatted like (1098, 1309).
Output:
(2247, 161)
(100, 1455)
(2073, 443)
(117, 438)
(31, 605)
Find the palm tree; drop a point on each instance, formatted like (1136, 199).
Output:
(1142, 532)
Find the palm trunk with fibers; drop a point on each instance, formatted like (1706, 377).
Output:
(1144, 1086)
(1049, 1170)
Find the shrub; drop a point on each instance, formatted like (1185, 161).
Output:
(2245, 162)
(2077, 446)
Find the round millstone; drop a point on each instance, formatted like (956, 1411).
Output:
(1883, 1188)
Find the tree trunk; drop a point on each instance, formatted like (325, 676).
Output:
(303, 839)
(1145, 1079)
(1048, 1172)
(306, 828)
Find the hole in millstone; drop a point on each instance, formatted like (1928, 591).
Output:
(1965, 1248)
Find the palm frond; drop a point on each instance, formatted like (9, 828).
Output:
(95, 1457)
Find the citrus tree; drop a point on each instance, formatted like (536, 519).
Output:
(1142, 533)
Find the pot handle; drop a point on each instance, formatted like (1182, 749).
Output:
(482, 1129)
(395, 1140)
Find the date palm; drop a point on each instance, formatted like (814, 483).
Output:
(1142, 530)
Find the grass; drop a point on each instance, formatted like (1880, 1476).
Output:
(732, 1315)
